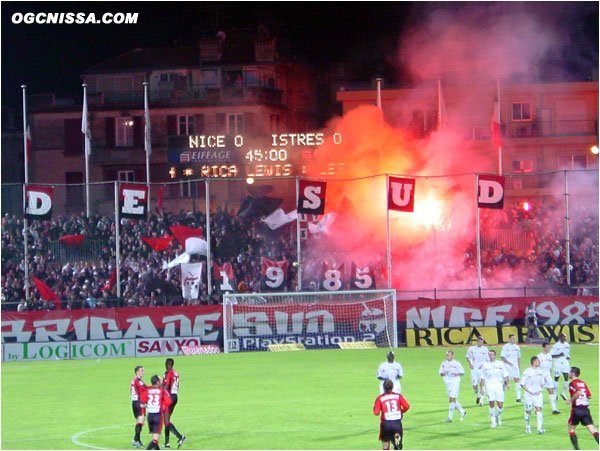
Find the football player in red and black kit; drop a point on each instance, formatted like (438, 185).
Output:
(157, 402)
(391, 406)
(137, 389)
(171, 385)
(580, 406)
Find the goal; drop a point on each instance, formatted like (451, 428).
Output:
(317, 320)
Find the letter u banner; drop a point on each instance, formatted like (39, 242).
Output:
(133, 201)
(38, 202)
(401, 194)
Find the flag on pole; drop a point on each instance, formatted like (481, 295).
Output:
(159, 198)
(72, 240)
(158, 244)
(147, 137)
(442, 116)
(112, 281)
(279, 218)
(85, 127)
(496, 124)
(28, 145)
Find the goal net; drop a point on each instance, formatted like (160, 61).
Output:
(317, 320)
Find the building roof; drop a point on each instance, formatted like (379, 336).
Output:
(138, 60)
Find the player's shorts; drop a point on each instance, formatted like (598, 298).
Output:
(513, 371)
(138, 410)
(389, 428)
(475, 377)
(530, 401)
(561, 366)
(173, 403)
(452, 388)
(549, 381)
(155, 423)
(580, 414)
(494, 392)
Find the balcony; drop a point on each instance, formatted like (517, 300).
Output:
(196, 95)
(538, 129)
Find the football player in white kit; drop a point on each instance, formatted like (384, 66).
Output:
(511, 356)
(390, 370)
(561, 352)
(533, 382)
(546, 365)
(451, 370)
(494, 376)
(476, 356)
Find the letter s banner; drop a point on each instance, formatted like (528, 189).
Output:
(311, 197)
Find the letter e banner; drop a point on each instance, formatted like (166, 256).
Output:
(38, 202)
(401, 194)
(311, 197)
(133, 201)
(490, 191)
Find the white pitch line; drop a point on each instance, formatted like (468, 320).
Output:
(75, 437)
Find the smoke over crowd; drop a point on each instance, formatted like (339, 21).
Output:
(469, 50)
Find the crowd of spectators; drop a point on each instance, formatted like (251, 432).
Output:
(243, 241)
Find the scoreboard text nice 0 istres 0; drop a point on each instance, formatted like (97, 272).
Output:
(242, 156)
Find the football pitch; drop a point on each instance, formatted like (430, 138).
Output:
(286, 400)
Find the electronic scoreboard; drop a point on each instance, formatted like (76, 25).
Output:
(241, 156)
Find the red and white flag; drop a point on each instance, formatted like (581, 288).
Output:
(190, 238)
(273, 274)
(496, 125)
(331, 277)
(225, 275)
(362, 278)
(28, 146)
(191, 277)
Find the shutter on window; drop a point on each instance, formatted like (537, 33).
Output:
(138, 131)
(199, 124)
(171, 125)
(248, 122)
(109, 129)
(220, 123)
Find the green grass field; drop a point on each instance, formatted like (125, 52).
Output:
(288, 400)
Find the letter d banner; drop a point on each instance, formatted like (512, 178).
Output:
(490, 191)
(133, 201)
(38, 202)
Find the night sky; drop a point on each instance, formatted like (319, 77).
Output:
(49, 58)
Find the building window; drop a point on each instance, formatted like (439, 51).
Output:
(189, 188)
(166, 78)
(124, 131)
(521, 111)
(274, 122)
(185, 125)
(235, 123)
(126, 176)
(572, 162)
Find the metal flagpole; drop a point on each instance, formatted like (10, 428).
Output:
(500, 122)
(117, 241)
(389, 242)
(379, 80)
(208, 262)
(478, 239)
(567, 231)
(85, 129)
(25, 222)
(147, 140)
(298, 238)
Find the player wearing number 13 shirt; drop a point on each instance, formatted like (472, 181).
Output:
(391, 406)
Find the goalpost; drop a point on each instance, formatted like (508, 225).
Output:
(317, 320)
